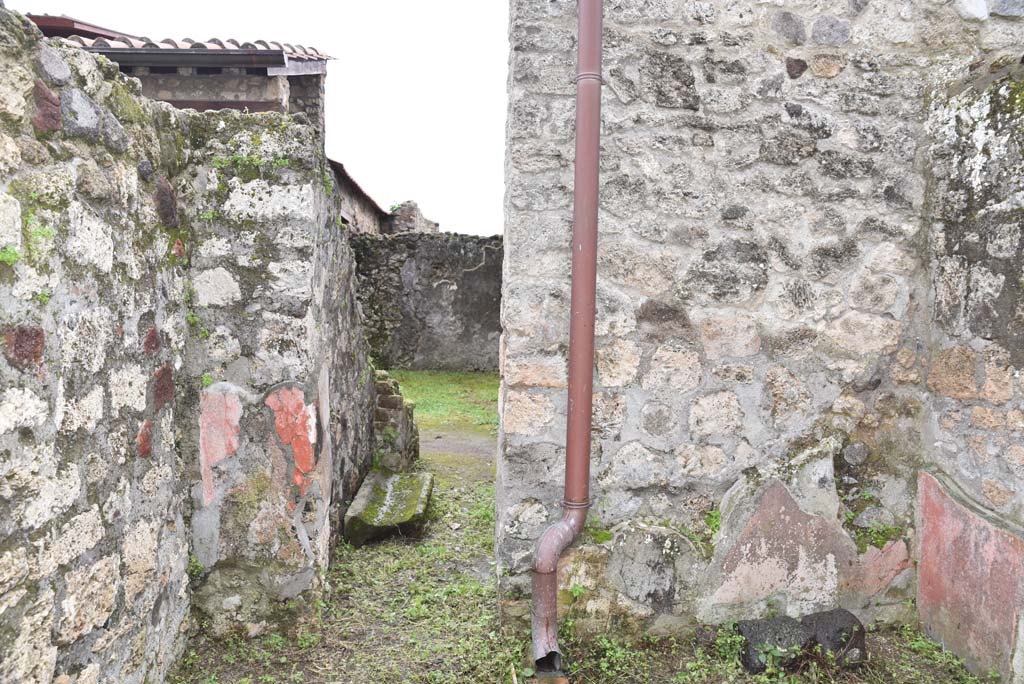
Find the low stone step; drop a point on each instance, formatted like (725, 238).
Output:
(388, 503)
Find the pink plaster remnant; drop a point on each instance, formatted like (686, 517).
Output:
(784, 549)
(144, 440)
(178, 249)
(295, 424)
(219, 414)
(970, 579)
(879, 567)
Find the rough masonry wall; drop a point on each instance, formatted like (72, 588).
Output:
(764, 300)
(284, 435)
(431, 301)
(185, 399)
(971, 565)
(94, 541)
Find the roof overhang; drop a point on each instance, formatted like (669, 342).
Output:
(64, 26)
(193, 57)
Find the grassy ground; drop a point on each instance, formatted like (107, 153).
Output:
(447, 401)
(423, 609)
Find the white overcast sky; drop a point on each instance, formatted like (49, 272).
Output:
(415, 96)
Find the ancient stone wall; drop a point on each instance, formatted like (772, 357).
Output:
(407, 218)
(765, 302)
(277, 345)
(185, 400)
(306, 95)
(971, 512)
(431, 301)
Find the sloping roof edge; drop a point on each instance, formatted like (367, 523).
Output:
(339, 169)
(65, 26)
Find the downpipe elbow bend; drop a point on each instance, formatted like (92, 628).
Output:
(544, 609)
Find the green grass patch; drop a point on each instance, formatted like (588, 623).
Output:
(451, 400)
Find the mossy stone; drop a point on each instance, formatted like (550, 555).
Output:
(388, 503)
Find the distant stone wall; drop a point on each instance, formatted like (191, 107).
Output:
(808, 298)
(362, 213)
(186, 405)
(407, 218)
(431, 301)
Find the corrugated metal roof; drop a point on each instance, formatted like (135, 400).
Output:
(293, 52)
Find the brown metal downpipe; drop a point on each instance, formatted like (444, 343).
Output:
(559, 536)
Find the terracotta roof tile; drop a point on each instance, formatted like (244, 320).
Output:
(293, 52)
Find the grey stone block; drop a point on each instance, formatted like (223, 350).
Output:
(386, 504)
(790, 26)
(1006, 8)
(53, 65)
(81, 115)
(829, 30)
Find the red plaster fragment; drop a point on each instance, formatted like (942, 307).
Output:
(46, 118)
(178, 249)
(23, 346)
(970, 578)
(152, 344)
(879, 567)
(163, 386)
(292, 422)
(219, 414)
(144, 440)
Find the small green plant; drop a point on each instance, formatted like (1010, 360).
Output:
(577, 591)
(207, 380)
(38, 235)
(274, 642)
(597, 533)
(43, 297)
(208, 215)
(394, 208)
(192, 319)
(195, 569)
(308, 639)
(9, 255)
(713, 519)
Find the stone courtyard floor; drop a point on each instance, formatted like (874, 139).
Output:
(423, 609)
